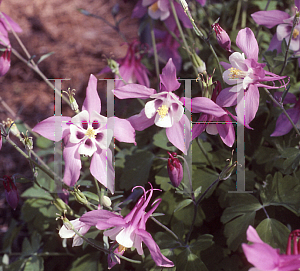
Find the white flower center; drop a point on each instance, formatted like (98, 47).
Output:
(162, 111)
(90, 133)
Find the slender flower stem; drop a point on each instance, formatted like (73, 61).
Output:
(154, 50)
(244, 13)
(265, 211)
(196, 209)
(205, 154)
(284, 111)
(98, 190)
(165, 227)
(237, 15)
(295, 21)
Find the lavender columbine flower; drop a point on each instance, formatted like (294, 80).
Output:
(87, 134)
(165, 110)
(246, 76)
(129, 231)
(266, 258)
(284, 21)
(66, 232)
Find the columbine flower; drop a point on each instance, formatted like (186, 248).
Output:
(161, 10)
(11, 192)
(129, 231)
(67, 232)
(284, 21)
(130, 67)
(266, 258)
(87, 134)
(175, 169)
(246, 75)
(165, 110)
(222, 37)
(214, 119)
(112, 258)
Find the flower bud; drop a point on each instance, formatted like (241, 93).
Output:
(79, 196)
(62, 206)
(11, 192)
(175, 169)
(222, 37)
(106, 201)
(73, 103)
(9, 123)
(227, 171)
(198, 63)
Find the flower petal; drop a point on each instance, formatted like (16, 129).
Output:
(246, 41)
(93, 218)
(226, 98)
(133, 91)
(198, 128)
(123, 130)
(47, 127)
(72, 164)
(140, 122)
(270, 18)
(156, 255)
(92, 101)
(205, 105)
(13, 24)
(251, 103)
(226, 130)
(168, 80)
(180, 134)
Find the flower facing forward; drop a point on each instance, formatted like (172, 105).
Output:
(266, 258)
(165, 110)
(129, 231)
(67, 232)
(245, 76)
(87, 134)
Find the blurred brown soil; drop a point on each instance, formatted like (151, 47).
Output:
(78, 42)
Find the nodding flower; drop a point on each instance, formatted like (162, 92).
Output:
(11, 192)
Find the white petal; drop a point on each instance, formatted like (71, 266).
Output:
(77, 134)
(97, 121)
(151, 107)
(88, 147)
(81, 119)
(212, 129)
(176, 111)
(124, 238)
(165, 122)
(238, 87)
(226, 78)
(237, 61)
(247, 80)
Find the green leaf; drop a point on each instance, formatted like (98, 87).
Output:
(44, 143)
(36, 192)
(183, 204)
(43, 57)
(203, 242)
(274, 233)
(16, 266)
(263, 3)
(160, 140)
(238, 217)
(91, 195)
(34, 263)
(136, 170)
(188, 261)
(162, 179)
(87, 262)
(26, 248)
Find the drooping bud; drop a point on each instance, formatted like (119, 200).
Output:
(175, 169)
(79, 196)
(62, 206)
(11, 192)
(222, 37)
(73, 103)
(227, 171)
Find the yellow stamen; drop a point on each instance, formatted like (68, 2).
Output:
(154, 7)
(295, 33)
(236, 73)
(162, 111)
(90, 133)
(121, 248)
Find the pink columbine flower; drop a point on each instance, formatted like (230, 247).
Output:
(165, 110)
(66, 232)
(214, 119)
(130, 67)
(284, 21)
(222, 37)
(87, 134)
(246, 76)
(160, 9)
(266, 258)
(11, 192)
(5, 62)
(129, 231)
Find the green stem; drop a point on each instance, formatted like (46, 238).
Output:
(98, 190)
(237, 15)
(165, 227)
(154, 51)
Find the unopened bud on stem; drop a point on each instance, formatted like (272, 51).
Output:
(175, 169)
